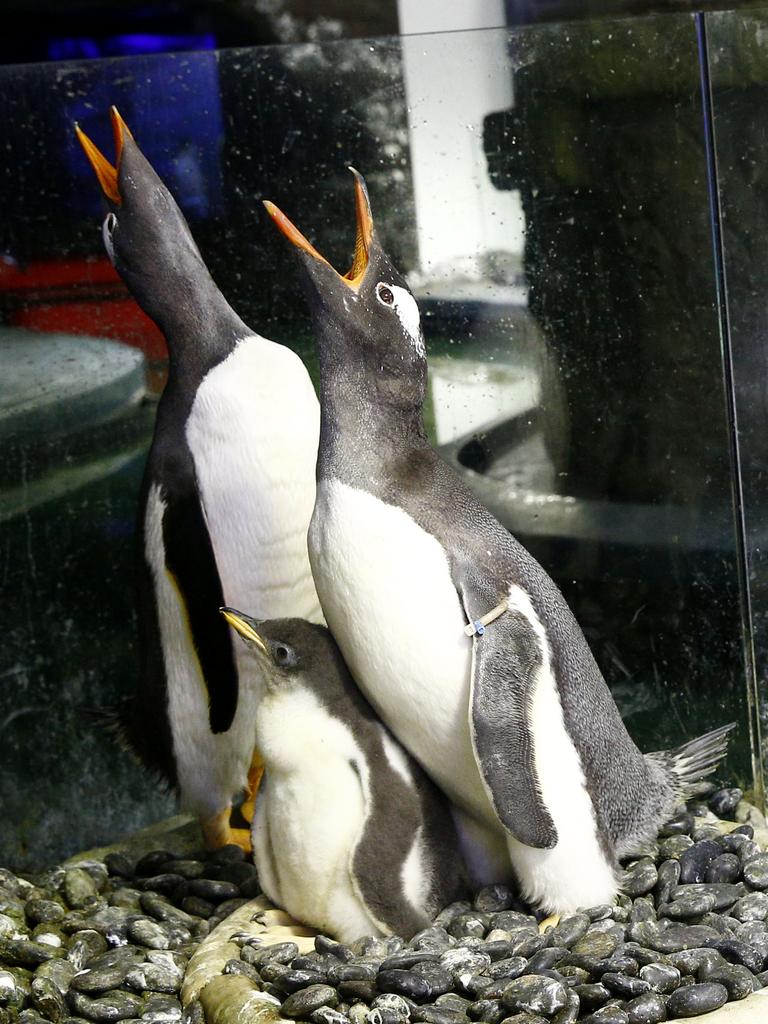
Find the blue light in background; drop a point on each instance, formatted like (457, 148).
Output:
(128, 44)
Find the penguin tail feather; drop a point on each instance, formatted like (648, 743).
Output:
(109, 718)
(688, 764)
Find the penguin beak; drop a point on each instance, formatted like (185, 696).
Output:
(363, 237)
(105, 172)
(243, 624)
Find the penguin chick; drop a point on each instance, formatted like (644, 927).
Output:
(349, 834)
(511, 717)
(225, 503)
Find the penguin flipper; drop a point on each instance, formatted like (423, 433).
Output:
(506, 660)
(190, 560)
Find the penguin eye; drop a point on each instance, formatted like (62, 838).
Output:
(385, 295)
(284, 656)
(109, 225)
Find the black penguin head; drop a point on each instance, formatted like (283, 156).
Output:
(145, 233)
(366, 321)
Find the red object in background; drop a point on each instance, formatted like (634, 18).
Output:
(82, 296)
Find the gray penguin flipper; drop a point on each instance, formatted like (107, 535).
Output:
(505, 663)
(379, 844)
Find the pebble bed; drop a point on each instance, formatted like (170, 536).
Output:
(110, 940)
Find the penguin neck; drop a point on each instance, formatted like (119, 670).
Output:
(363, 413)
(200, 327)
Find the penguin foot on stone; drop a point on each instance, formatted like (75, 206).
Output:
(218, 832)
(241, 837)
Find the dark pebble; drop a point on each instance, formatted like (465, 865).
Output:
(246, 970)
(725, 894)
(197, 906)
(624, 985)
(723, 802)
(748, 851)
(292, 980)
(188, 869)
(751, 908)
(736, 952)
(640, 878)
(695, 861)
(724, 868)
(649, 1008)
(536, 994)
(681, 824)
(100, 979)
(688, 961)
(469, 923)
(668, 876)
(691, 905)
(695, 999)
(568, 930)
(662, 978)
(596, 944)
(493, 899)
(405, 983)
(489, 1011)
(279, 952)
(42, 911)
(440, 980)
(146, 932)
(433, 939)
(465, 961)
(570, 1012)
(608, 1015)
(48, 1000)
(678, 937)
(307, 1000)
(407, 958)
(453, 1001)
(497, 949)
(23, 953)
(151, 863)
(229, 854)
(112, 1006)
(212, 890)
(168, 884)
(327, 1015)
(149, 977)
(756, 872)
(118, 865)
(737, 979)
(438, 1015)
(324, 944)
(511, 967)
(546, 958)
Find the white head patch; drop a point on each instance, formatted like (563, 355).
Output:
(407, 313)
(107, 228)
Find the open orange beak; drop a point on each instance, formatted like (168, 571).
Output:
(105, 172)
(364, 222)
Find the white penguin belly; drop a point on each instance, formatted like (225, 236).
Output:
(310, 814)
(386, 590)
(209, 767)
(253, 432)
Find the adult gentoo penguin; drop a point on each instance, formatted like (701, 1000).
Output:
(225, 504)
(511, 717)
(349, 836)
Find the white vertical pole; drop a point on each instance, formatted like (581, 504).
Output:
(452, 80)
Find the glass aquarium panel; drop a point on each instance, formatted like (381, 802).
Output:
(738, 66)
(545, 191)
